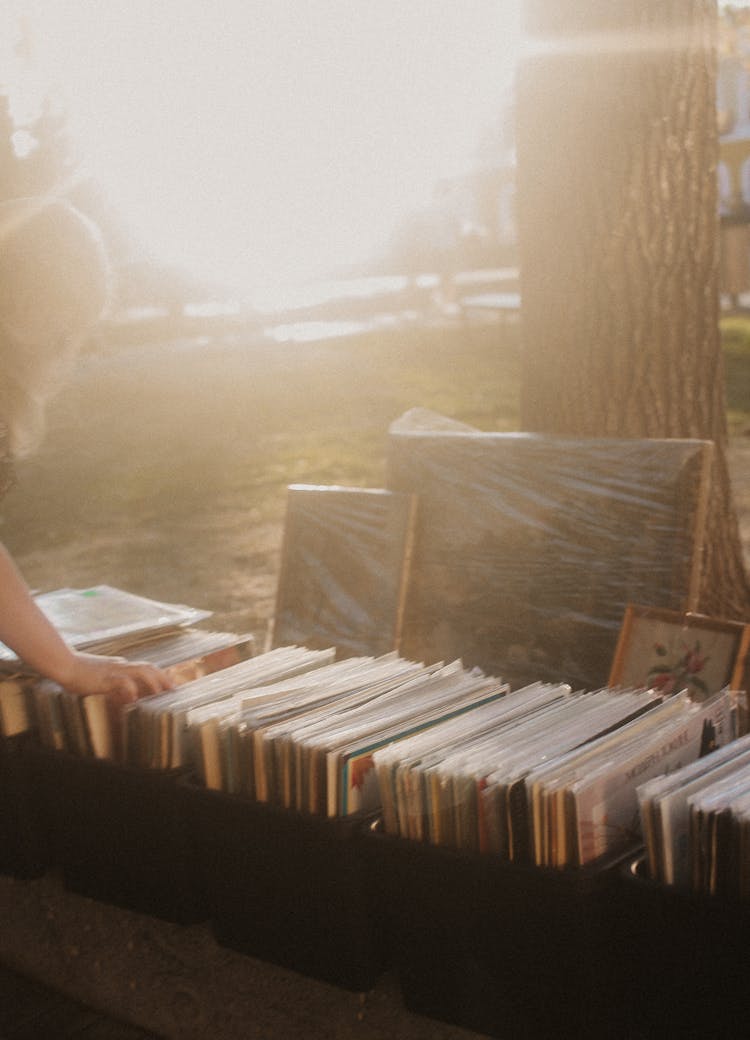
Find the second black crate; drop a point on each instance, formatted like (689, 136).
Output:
(499, 948)
(286, 887)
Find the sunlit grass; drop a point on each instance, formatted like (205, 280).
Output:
(173, 434)
(735, 336)
(170, 434)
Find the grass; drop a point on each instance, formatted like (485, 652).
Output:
(171, 427)
(735, 335)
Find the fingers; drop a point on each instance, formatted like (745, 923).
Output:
(132, 681)
(122, 681)
(150, 679)
(124, 689)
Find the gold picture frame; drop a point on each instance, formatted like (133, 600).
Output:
(669, 651)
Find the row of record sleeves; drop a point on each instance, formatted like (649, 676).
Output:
(542, 775)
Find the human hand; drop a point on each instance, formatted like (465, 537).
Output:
(122, 681)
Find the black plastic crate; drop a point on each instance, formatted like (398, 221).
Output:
(285, 887)
(24, 845)
(495, 947)
(685, 959)
(118, 835)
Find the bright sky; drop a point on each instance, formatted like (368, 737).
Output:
(264, 140)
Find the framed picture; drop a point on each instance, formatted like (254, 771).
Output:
(672, 651)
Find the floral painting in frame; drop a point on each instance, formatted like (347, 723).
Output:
(671, 651)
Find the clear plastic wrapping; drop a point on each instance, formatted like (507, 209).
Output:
(344, 568)
(528, 548)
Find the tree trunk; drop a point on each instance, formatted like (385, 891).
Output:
(617, 148)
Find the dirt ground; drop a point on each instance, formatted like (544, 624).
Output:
(164, 470)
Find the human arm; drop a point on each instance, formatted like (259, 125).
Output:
(34, 639)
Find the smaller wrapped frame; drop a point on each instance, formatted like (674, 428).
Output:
(344, 566)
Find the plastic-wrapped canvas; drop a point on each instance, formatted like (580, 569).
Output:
(528, 548)
(344, 567)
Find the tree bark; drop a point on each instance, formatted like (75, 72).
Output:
(617, 146)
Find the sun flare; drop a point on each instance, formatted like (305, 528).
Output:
(267, 141)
